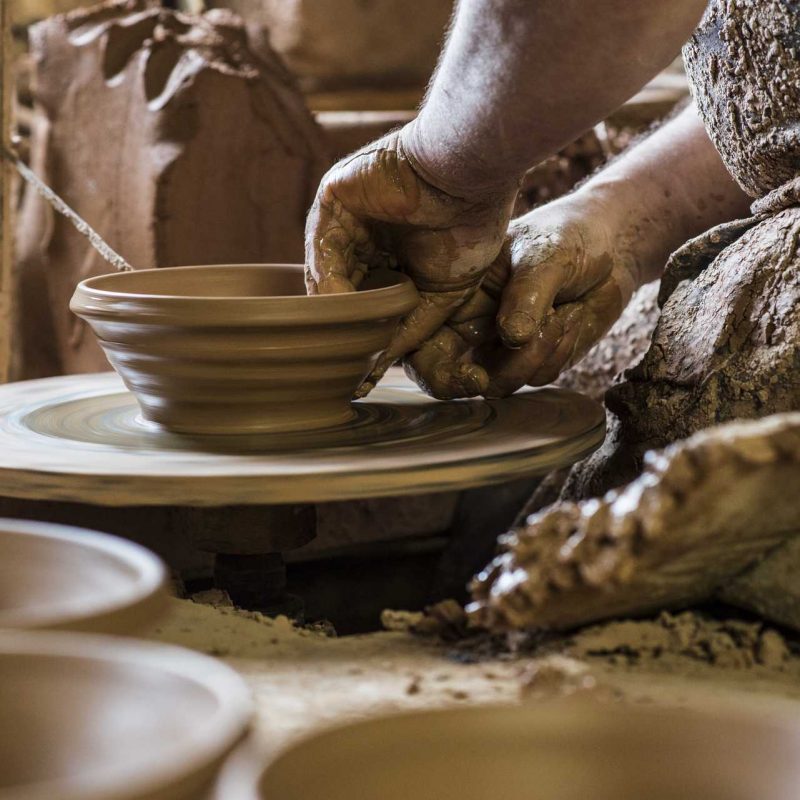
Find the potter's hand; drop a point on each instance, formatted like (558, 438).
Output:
(375, 209)
(561, 280)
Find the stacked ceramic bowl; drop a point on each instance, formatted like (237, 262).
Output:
(85, 715)
(574, 749)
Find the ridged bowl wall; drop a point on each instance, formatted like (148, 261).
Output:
(236, 349)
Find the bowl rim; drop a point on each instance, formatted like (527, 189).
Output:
(558, 721)
(145, 595)
(92, 301)
(204, 745)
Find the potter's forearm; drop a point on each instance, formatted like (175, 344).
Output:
(666, 190)
(521, 78)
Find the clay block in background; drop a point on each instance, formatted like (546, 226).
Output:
(701, 513)
(170, 137)
(341, 44)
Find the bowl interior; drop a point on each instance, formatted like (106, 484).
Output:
(88, 717)
(54, 576)
(225, 281)
(559, 752)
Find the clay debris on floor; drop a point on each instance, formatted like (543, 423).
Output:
(307, 678)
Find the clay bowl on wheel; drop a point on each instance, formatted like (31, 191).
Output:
(564, 750)
(100, 718)
(63, 578)
(241, 348)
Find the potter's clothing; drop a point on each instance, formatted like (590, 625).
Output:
(743, 64)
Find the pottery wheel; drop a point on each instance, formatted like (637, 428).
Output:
(81, 438)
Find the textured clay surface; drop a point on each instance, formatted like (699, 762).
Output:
(743, 65)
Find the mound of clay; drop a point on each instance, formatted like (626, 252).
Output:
(670, 640)
(171, 138)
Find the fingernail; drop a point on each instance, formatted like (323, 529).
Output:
(516, 329)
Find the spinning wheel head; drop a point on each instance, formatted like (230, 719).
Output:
(80, 438)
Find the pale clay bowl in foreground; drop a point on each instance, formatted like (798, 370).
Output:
(57, 577)
(241, 348)
(101, 718)
(561, 750)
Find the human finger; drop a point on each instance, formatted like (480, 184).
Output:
(439, 367)
(336, 241)
(529, 295)
(431, 313)
(509, 370)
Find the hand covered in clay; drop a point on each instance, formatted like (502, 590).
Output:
(376, 209)
(559, 283)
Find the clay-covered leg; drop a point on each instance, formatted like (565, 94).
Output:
(702, 511)
(726, 347)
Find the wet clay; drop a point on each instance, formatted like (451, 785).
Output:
(183, 712)
(62, 578)
(241, 349)
(178, 96)
(702, 511)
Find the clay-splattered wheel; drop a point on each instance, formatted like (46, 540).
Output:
(81, 438)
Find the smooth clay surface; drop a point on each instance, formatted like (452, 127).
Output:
(62, 578)
(570, 750)
(241, 348)
(96, 718)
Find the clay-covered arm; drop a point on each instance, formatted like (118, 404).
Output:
(666, 190)
(521, 78)
(569, 268)
(518, 78)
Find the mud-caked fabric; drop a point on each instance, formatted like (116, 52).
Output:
(743, 64)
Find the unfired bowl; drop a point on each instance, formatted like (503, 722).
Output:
(241, 348)
(548, 751)
(101, 718)
(62, 578)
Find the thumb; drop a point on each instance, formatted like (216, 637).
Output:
(529, 296)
